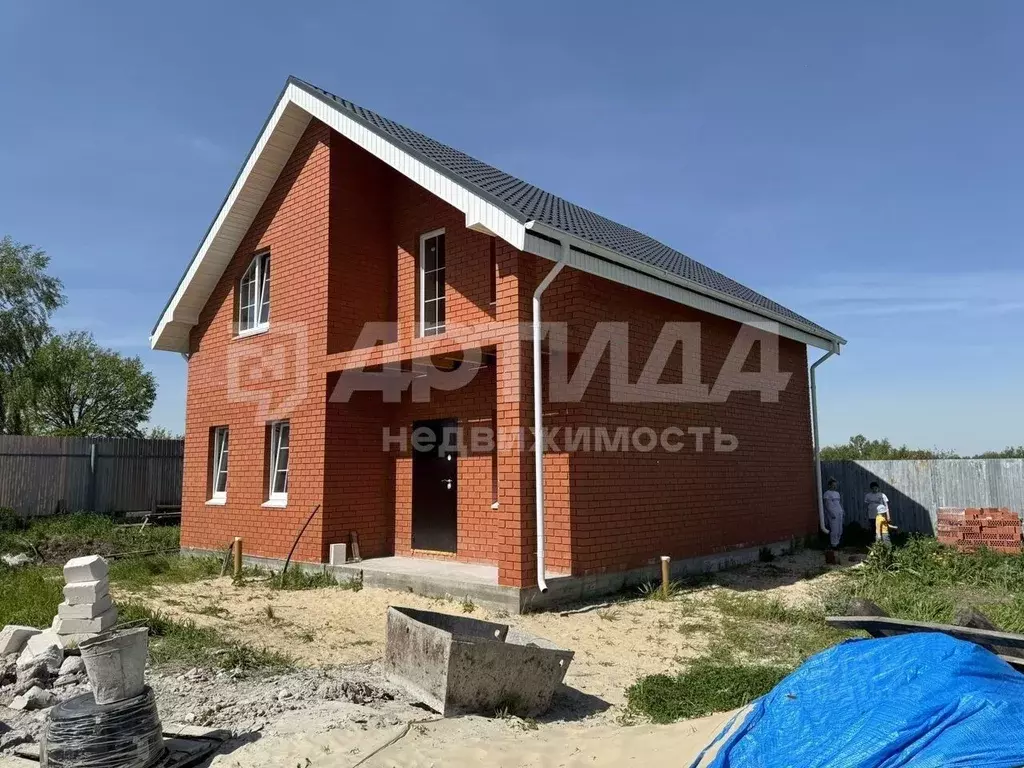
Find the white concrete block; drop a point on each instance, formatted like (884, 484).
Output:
(84, 610)
(84, 592)
(88, 568)
(100, 623)
(339, 554)
(13, 638)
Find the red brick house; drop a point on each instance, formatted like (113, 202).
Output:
(340, 217)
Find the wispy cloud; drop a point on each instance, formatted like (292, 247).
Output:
(204, 147)
(898, 293)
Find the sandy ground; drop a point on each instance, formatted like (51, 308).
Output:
(614, 643)
(312, 716)
(474, 741)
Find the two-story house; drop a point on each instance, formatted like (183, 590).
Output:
(359, 325)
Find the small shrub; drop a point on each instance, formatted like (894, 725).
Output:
(9, 520)
(705, 687)
(651, 590)
(765, 554)
(468, 606)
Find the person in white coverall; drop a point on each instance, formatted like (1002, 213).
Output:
(833, 513)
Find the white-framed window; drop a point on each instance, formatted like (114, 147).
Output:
(219, 476)
(279, 438)
(254, 296)
(432, 283)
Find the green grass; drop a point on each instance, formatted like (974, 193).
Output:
(59, 538)
(925, 581)
(140, 573)
(186, 644)
(30, 595)
(297, 578)
(706, 686)
(757, 640)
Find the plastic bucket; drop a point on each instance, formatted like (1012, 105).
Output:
(116, 664)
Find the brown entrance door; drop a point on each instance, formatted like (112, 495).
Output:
(435, 464)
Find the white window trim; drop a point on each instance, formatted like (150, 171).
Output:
(258, 327)
(422, 303)
(219, 497)
(278, 498)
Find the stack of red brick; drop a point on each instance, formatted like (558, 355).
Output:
(997, 529)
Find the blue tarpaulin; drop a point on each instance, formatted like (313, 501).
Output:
(924, 700)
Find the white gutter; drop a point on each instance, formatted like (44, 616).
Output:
(538, 412)
(817, 441)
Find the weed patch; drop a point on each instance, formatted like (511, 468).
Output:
(184, 643)
(926, 581)
(706, 686)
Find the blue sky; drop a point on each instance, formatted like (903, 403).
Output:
(861, 163)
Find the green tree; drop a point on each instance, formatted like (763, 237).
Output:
(1009, 452)
(860, 448)
(163, 433)
(28, 297)
(81, 389)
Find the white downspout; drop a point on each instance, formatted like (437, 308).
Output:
(817, 442)
(538, 412)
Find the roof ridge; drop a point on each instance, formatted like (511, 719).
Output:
(528, 202)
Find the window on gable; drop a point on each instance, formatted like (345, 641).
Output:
(254, 296)
(279, 438)
(432, 283)
(219, 473)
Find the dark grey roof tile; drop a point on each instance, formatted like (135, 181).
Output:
(526, 202)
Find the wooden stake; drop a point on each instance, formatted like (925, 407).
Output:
(664, 575)
(237, 545)
(355, 547)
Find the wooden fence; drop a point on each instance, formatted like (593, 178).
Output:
(43, 475)
(916, 489)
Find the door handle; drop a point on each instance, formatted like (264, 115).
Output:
(447, 483)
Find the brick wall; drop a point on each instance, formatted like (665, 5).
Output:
(242, 383)
(343, 231)
(627, 508)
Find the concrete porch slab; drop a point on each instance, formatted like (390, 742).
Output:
(473, 573)
(479, 583)
(433, 578)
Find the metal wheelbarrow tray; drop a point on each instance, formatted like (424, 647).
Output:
(462, 666)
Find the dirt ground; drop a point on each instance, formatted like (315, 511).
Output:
(614, 643)
(337, 708)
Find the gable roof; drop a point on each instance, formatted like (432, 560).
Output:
(494, 201)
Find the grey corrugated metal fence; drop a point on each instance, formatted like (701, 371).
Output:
(41, 475)
(916, 489)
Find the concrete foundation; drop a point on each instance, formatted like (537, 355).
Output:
(463, 666)
(479, 583)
